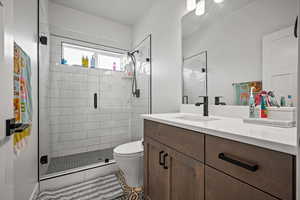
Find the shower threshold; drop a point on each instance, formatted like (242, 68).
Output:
(78, 162)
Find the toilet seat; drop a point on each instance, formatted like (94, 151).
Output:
(131, 149)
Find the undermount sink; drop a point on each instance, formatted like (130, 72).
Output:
(196, 118)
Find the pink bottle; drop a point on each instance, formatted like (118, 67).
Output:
(114, 66)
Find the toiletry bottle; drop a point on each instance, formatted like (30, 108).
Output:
(290, 101)
(251, 104)
(93, 62)
(82, 61)
(63, 61)
(86, 62)
(114, 66)
(282, 102)
(263, 107)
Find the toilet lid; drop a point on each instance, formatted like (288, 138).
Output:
(129, 148)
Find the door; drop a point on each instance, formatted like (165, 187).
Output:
(156, 178)
(187, 177)
(280, 60)
(6, 99)
(170, 175)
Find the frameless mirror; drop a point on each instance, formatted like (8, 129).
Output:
(248, 43)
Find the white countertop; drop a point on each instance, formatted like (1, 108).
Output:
(278, 139)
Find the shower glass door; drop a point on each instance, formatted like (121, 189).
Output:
(85, 112)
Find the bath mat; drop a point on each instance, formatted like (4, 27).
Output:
(102, 188)
(130, 193)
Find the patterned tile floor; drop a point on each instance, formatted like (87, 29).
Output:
(63, 163)
(129, 192)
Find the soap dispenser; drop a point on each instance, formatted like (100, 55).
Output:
(251, 104)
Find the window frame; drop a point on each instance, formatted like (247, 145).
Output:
(97, 51)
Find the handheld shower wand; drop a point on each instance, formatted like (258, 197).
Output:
(134, 89)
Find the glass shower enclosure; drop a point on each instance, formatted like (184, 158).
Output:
(86, 111)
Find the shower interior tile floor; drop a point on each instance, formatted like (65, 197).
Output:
(59, 164)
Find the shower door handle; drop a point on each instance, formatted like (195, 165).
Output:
(296, 28)
(95, 100)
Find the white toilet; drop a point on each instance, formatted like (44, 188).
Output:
(130, 158)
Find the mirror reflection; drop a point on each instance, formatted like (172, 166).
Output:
(194, 77)
(249, 43)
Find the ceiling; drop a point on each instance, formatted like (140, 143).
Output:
(214, 12)
(123, 11)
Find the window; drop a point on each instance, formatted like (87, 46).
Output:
(72, 54)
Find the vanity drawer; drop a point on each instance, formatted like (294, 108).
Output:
(185, 141)
(220, 186)
(270, 171)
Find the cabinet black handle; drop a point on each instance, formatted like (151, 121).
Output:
(165, 156)
(296, 28)
(250, 167)
(161, 162)
(95, 101)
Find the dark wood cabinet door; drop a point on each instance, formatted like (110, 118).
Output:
(156, 178)
(220, 186)
(275, 171)
(187, 177)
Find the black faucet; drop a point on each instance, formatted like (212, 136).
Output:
(218, 102)
(205, 105)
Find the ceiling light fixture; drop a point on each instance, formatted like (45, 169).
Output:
(218, 1)
(190, 5)
(200, 8)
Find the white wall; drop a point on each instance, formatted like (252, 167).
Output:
(163, 21)
(70, 22)
(234, 43)
(25, 35)
(6, 107)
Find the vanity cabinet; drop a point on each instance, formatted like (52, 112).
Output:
(185, 141)
(170, 174)
(220, 186)
(270, 171)
(156, 176)
(183, 164)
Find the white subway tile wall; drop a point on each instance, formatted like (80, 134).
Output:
(75, 125)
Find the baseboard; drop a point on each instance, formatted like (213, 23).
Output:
(34, 192)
